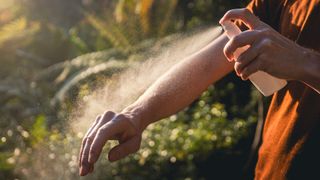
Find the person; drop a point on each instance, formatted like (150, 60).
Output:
(284, 41)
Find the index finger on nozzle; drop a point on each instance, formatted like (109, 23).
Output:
(241, 14)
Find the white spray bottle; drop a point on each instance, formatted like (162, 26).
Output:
(263, 81)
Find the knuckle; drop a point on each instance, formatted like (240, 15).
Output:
(108, 113)
(266, 32)
(245, 11)
(121, 116)
(266, 43)
(107, 116)
(235, 40)
(229, 12)
(105, 113)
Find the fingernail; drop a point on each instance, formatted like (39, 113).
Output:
(84, 171)
(80, 171)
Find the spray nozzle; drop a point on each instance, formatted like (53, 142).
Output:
(230, 28)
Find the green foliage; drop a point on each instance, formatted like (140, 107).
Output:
(78, 41)
(170, 148)
(110, 32)
(4, 164)
(39, 130)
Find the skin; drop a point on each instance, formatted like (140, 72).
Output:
(269, 51)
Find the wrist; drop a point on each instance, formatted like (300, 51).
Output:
(137, 116)
(311, 67)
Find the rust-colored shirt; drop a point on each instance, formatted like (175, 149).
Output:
(291, 136)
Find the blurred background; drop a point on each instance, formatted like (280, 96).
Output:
(53, 55)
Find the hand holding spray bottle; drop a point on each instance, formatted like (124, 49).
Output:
(263, 81)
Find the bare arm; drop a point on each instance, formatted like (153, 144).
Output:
(182, 84)
(311, 70)
(172, 92)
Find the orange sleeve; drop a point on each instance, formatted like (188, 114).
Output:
(265, 10)
(259, 8)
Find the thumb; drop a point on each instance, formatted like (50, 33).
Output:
(244, 15)
(122, 150)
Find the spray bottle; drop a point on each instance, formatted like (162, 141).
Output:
(263, 81)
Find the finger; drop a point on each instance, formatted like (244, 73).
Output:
(85, 164)
(124, 149)
(85, 138)
(244, 15)
(247, 57)
(103, 135)
(107, 116)
(253, 67)
(243, 39)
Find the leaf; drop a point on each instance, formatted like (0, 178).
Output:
(4, 165)
(110, 66)
(77, 41)
(39, 130)
(144, 7)
(110, 31)
(119, 11)
(167, 15)
(16, 29)
(80, 62)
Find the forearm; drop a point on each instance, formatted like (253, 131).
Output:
(182, 84)
(310, 72)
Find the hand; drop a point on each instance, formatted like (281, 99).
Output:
(109, 126)
(269, 51)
